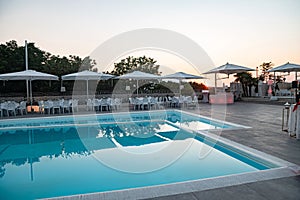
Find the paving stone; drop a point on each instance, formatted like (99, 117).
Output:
(236, 192)
(187, 196)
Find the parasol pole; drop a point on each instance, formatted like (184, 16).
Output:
(274, 84)
(87, 88)
(30, 83)
(26, 67)
(137, 87)
(296, 90)
(215, 83)
(179, 84)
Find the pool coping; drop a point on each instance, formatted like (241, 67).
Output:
(186, 187)
(285, 169)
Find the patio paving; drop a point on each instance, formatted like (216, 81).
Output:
(266, 136)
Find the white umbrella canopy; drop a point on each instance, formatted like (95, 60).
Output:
(180, 76)
(86, 76)
(227, 69)
(138, 75)
(288, 67)
(29, 75)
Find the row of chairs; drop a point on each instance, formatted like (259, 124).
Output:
(182, 101)
(103, 104)
(58, 106)
(12, 108)
(143, 103)
(148, 103)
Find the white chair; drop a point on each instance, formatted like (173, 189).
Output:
(160, 102)
(118, 103)
(96, 104)
(189, 102)
(153, 103)
(168, 101)
(11, 107)
(41, 106)
(139, 102)
(56, 106)
(181, 101)
(22, 108)
(175, 102)
(1, 109)
(74, 105)
(89, 105)
(48, 105)
(66, 104)
(145, 103)
(4, 108)
(195, 99)
(104, 104)
(132, 103)
(111, 104)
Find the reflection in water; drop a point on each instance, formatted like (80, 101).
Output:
(195, 123)
(27, 146)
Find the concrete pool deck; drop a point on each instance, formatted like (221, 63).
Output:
(265, 135)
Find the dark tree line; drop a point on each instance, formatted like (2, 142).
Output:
(12, 59)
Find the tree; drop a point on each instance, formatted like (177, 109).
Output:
(131, 63)
(247, 81)
(11, 57)
(264, 67)
(88, 64)
(198, 86)
(63, 65)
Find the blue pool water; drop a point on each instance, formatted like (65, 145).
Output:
(61, 156)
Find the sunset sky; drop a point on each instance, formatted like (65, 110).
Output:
(245, 32)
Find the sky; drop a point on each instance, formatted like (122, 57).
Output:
(243, 32)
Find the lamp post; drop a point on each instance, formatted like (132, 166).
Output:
(256, 72)
(285, 112)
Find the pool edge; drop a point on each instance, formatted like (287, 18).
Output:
(187, 186)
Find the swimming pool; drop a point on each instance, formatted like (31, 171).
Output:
(60, 156)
